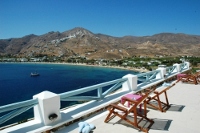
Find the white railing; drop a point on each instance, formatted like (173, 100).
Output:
(72, 95)
(129, 83)
(21, 107)
(184, 66)
(148, 76)
(16, 109)
(170, 71)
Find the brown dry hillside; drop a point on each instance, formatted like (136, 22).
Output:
(80, 41)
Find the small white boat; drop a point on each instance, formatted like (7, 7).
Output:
(35, 74)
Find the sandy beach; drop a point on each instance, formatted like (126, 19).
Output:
(83, 64)
(141, 70)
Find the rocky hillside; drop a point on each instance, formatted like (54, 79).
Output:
(81, 42)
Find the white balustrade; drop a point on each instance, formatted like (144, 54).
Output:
(48, 109)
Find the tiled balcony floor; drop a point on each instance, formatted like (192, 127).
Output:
(182, 117)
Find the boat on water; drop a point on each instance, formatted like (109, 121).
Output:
(35, 74)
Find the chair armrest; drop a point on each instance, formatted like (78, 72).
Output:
(129, 100)
(118, 107)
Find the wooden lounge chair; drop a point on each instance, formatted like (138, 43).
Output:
(137, 116)
(191, 78)
(154, 99)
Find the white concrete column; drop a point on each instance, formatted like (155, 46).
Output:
(48, 109)
(131, 84)
(178, 67)
(162, 73)
(187, 65)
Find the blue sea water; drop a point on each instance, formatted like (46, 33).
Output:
(17, 85)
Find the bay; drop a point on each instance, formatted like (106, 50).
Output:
(17, 85)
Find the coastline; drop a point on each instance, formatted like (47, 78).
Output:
(141, 70)
(25, 83)
(118, 67)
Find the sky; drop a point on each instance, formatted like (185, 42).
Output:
(116, 18)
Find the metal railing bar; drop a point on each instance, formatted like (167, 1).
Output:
(112, 88)
(79, 98)
(144, 74)
(18, 105)
(90, 88)
(153, 76)
(13, 113)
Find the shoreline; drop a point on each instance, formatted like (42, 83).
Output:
(141, 70)
(116, 67)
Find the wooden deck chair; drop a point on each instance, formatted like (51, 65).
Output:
(198, 78)
(154, 99)
(123, 111)
(191, 78)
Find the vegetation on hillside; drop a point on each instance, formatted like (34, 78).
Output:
(134, 62)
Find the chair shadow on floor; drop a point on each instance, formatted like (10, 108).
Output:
(144, 123)
(176, 108)
(173, 107)
(159, 124)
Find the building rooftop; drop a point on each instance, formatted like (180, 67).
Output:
(183, 115)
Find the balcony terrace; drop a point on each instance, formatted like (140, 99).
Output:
(180, 117)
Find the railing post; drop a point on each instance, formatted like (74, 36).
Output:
(48, 109)
(187, 65)
(178, 67)
(162, 73)
(131, 83)
(99, 93)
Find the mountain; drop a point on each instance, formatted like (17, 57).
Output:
(82, 42)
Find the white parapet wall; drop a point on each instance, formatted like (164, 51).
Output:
(162, 73)
(48, 109)
(47, 114)
(178, 67)
(131, 83)
(187, 65)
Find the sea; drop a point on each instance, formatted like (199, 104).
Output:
(17, 85)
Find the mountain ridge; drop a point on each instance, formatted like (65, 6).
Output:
(82, 42)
